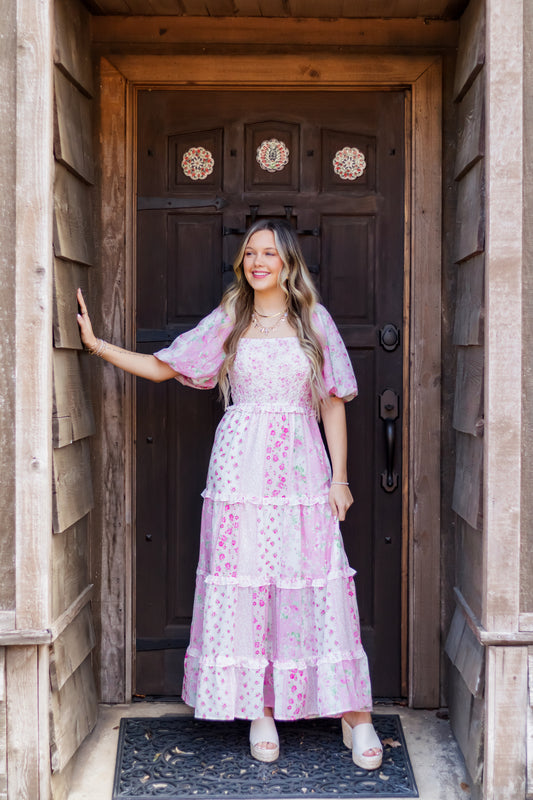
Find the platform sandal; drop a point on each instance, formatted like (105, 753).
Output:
(359, 739)
(264, 730)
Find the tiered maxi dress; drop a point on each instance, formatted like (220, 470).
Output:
(275, 618)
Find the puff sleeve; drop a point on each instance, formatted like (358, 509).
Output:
(197, 355)
(338, 374)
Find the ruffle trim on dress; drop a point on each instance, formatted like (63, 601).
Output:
(301, 500)
(270, 408)
(223, 662)
(247, 581)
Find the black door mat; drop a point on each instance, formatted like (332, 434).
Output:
(182, 757)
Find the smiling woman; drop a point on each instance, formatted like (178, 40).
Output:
(275, 630)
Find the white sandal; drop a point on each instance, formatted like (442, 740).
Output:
(264, 730)
(359, 739)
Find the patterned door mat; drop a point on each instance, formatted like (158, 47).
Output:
(182, 757)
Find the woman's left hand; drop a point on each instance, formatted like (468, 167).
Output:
(340, 500)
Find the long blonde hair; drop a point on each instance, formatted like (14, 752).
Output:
(296, 283)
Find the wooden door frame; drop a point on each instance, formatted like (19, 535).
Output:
(121, 77)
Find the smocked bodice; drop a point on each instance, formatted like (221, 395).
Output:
(271, 373)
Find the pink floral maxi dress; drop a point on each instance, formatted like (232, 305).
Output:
(275, 618)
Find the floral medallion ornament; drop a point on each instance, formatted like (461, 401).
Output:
(272, 155)
(349, 163)
(197, 163)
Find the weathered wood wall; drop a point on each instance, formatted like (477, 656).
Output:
(25, 397)
(73, 700)
(493, 622)
(466, 673)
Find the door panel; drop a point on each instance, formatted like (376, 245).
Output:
(200, 184)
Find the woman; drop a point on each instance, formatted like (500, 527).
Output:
(275, 630)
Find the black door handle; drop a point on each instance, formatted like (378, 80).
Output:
(389, 412)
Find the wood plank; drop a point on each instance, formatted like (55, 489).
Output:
(8, 308)
(469, 309)
(252, 28)
(72, 492)
(466, 719)
(68, 276)
(110, 551)
(471, 52)
(468, 403)
(59, 625)
(471, 127)
(22, 693)
(468, 485)
(530, 674)
(455, 634)
(73, 221)
(425, 412)
(30, 336)
(72, 416)
(470, 227)
(72, 42)
(73, 128)
(284, 71)
(470, 661)
(526, 466)
(469, 564)
(506, 715)
(70, 566)
(504, 297)
(71, 648)
(73, 715)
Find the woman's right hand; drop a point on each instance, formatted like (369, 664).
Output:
(86, 329)
(141, 364)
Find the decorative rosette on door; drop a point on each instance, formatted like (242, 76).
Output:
(349, 163)
(272, 155)
(197, 163)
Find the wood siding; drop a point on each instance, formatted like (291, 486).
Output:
(466, 673)
(73, 701)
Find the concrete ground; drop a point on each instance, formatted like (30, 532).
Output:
(437, 762)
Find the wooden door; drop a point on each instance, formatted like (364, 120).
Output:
(208, 164)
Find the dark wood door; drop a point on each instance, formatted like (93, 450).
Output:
(208, 164)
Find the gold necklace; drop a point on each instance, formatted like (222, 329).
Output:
(266, 330)
(269, 316)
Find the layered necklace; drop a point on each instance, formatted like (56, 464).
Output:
(266, 329)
